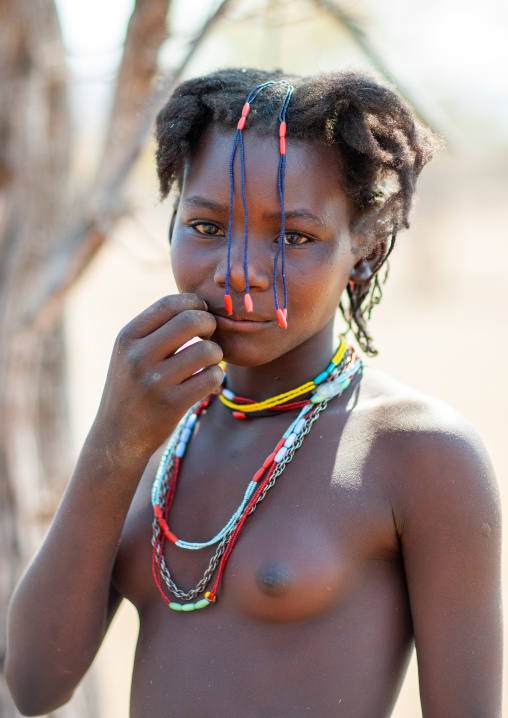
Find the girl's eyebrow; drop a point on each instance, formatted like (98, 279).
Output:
(204, 203)
(297, 214)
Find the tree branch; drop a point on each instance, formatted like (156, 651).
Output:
(65, 265)
(145, 34)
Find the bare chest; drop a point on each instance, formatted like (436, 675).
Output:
(306, 548)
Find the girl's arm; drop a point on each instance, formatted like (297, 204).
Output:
(63, 604)
(450, 532)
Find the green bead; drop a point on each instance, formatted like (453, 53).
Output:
(176, 606)
(316, 398)
(202, 604)
(188, 607)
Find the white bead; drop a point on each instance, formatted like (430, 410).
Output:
(299, 426)
(227, 394)
(290, 441)
(280, 454)
(333, 388)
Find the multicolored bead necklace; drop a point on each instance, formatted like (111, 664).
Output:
(243, 408)
(164, 486)
(238, 141)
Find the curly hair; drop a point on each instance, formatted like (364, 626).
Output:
(380, 146)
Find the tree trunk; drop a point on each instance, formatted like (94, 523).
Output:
(34, 165)
(40, 258)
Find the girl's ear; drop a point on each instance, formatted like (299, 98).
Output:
(173, 218)
(366, 267)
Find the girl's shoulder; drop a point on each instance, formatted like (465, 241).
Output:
(394, 408)
(428, 450)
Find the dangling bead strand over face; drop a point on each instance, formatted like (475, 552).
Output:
(238, 141)
(333, 384)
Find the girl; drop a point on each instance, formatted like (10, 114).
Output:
(379, 524)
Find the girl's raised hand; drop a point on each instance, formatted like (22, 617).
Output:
(149, 386)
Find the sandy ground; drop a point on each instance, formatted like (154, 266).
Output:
(443, 315)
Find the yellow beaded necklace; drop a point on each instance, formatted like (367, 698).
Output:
(228, 398)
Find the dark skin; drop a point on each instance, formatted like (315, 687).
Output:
(384, 529)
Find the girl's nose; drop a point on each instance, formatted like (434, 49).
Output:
(257, 269)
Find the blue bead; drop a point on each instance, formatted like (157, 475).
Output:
(191, 421)
(227, 394)
(321, 377)
(186, 435)
(180, 449)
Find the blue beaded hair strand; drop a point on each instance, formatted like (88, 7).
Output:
(281, 173)
(238, 140)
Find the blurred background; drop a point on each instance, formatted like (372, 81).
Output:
(83, 236)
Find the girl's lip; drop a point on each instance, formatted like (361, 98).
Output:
(241, 325)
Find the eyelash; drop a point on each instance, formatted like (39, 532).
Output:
(195, 226)
(218, 229)
(308, 240)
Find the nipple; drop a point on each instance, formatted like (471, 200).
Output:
(273, 579)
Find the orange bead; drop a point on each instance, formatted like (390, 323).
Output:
(248, 303)
(229, 304)
(167, 533)
(259, 474)
(170, 536)
(241, 123)
(279, 445)
(282, 129)
(269, 460)
(283, 145)
(246, 109)
(281, 318)
(239, 415)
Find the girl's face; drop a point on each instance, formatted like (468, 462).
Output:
(319, 248)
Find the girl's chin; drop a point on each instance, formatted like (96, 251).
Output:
(245, 349)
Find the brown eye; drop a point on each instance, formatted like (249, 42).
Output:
(207, 228)
(295, 239)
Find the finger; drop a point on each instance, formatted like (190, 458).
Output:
(190, 360)
(202, 384)
(159, 313)
(166, 340)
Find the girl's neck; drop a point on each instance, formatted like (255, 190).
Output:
(298, 366)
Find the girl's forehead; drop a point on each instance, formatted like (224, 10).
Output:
(313, 175)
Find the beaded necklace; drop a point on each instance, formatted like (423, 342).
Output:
(164, 486)
(283, 402)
